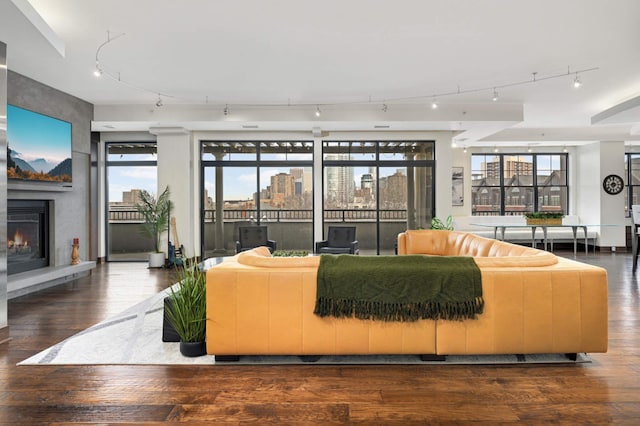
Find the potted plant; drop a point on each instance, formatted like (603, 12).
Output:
(155, 212)
(544, 218)
(187, 309)
(439, 224)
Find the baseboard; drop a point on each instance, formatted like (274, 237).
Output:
(4, 335)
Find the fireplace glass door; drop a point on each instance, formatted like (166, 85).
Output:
(27, 235)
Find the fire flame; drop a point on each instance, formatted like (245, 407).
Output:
(17, 240)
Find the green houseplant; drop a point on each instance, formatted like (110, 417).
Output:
(439, 224)
(187, 309)
(155, 212)
(544, 218)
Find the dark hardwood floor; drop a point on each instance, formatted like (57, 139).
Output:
(604, 391)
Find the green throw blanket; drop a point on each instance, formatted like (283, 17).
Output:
(399, 288)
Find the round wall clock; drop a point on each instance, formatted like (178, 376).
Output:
(613, 184)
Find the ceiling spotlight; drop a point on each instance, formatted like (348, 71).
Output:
(576, 82)
(225, 111)
(434, 104)
(495, 149)
(495, 95)
(564, 149)
(529, 149)
(464, 149)
(97, 72)
(384, 107)
(318, 111)
(159, 102)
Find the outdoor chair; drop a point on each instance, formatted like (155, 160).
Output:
(253, 236)
(340, 240)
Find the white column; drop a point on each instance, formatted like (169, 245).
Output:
(594, 206)
(318, 196)
(178, 168)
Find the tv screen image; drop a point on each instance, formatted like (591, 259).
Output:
(38, 147)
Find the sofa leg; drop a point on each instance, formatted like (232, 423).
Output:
(433, 357)
(227, 358)
(572, 356)
(309, 358)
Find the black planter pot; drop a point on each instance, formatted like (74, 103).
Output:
(169, 333)
(193, 349)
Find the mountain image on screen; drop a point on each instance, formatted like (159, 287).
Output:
(39, 147)
(38, 169)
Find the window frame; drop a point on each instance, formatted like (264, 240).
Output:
(536, 187)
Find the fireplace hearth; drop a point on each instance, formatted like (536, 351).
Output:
(27, 235)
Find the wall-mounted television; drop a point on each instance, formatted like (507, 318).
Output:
(38, 147)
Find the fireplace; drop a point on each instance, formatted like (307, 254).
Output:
(27, 235)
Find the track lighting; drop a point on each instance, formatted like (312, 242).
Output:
(529, 149)
(159, 102)
(495, 149)
(564, 149)
(102, 69)
(576, 82)
(464, 149)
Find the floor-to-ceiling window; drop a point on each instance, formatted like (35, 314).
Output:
(381, 187)
(632, 170)
(257, 182)
(513, 184)
(130, 168)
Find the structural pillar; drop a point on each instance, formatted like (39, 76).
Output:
(177, 169)
(219, 223)
(4, 325)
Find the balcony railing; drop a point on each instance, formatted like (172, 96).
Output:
(333, 215)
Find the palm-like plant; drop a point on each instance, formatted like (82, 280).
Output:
(187, 308)
(156, 215)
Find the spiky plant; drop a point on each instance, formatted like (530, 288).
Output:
(187, 309)
(155, 213)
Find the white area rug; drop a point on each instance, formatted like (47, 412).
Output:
(135, 337)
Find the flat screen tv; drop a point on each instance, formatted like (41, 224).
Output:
(38, 147)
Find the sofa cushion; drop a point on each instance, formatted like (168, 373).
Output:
(261, 256)
(486, 251)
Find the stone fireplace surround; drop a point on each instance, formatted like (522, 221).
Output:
(70, 206)
(58, 271)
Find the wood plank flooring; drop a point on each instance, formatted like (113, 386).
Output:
(602, 392)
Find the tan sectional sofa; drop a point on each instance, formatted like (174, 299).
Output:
(535, 302)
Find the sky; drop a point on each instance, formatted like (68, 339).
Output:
(36, 136)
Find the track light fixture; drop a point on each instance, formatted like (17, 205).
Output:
(495, 149)
(495, 95)
(564, 149)
(318, 112)
(159, 101)
(434, 104)
(225, 111)
(576, 82)
(464, 149)
(384, 108)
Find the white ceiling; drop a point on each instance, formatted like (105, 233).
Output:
(273, 62)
